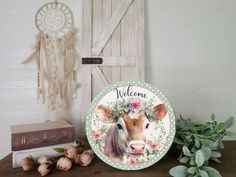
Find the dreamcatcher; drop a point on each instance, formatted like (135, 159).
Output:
(55, 55)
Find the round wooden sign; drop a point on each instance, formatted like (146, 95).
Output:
(130, 125)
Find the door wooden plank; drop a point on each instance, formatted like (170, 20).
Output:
(99, 77)
(115, 72)
(111, 26)
(140, 28)
(85, 75)
(97, 30)
(128, 35)
(107, 48)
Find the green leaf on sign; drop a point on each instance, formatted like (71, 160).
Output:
(199, 158)
(178, 171)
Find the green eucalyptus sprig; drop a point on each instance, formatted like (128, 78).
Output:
(198, 144)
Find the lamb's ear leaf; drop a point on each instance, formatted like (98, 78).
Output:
(213, 117)
(229, 122)
(230, 134)
(203, 173)
(186, 151)
(213, 172)
(199, 158)
(178, 171)
(207, 153)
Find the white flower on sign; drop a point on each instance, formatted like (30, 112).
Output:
(134, 114)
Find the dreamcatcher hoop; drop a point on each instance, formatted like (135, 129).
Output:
(54, 19)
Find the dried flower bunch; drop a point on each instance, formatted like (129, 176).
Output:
(78, 155)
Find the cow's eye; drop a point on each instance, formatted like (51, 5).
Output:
(147, 125)
(119, 127)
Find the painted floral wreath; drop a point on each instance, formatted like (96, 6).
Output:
(132, 106)
(111, 111)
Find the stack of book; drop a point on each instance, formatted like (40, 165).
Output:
(39, 139)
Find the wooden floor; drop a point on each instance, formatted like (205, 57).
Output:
(99, 169)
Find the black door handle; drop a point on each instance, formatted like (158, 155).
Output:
(89, 60)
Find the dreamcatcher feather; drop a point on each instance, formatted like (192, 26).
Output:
(56, 56)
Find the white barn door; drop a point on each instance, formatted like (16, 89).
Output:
(112, 46)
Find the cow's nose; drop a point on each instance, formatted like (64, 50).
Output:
(137, 148)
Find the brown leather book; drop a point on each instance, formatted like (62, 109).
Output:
(41, 134)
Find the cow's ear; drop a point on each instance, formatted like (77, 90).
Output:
(104, 113)
(159, 111)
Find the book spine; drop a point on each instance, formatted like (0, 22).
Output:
(28, 140)
(17, 156)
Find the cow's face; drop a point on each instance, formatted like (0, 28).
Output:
(132, 132)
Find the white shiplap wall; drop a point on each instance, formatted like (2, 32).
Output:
(190, 55)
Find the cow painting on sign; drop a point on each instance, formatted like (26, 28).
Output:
(128, 134)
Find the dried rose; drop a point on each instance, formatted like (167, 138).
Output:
(27, 163)
(64, 164)
(44, 169)
(44, 159)
(76, 160)
(89, 152)
(86, 158)
(71, 152)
